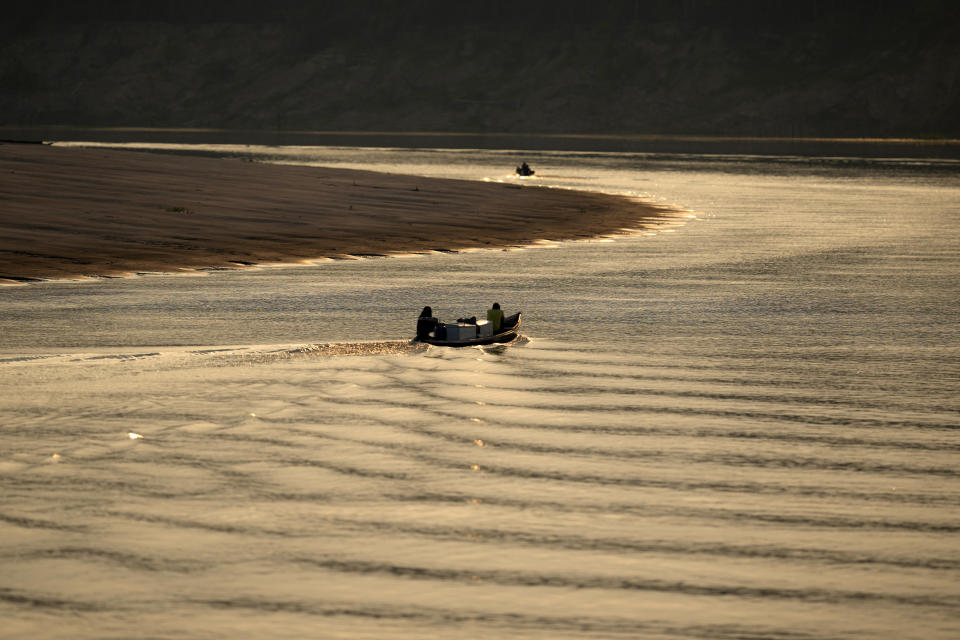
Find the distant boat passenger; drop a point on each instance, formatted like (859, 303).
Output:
(525, 170)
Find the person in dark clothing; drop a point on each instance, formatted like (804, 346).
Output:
(426, 323)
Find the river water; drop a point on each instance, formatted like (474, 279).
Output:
(740, 424)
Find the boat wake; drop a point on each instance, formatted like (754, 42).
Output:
(163, 358)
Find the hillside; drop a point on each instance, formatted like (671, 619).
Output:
(762, 68)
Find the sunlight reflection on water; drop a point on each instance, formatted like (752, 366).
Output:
(746, 427)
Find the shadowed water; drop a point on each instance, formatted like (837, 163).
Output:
(742, 424)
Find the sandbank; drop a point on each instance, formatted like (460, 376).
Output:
(76, 212)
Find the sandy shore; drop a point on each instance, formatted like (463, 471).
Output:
(71, 212)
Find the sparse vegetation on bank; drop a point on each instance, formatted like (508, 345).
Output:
(763, 69)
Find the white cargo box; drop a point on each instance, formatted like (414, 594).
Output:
(484, 328)
(461, 331)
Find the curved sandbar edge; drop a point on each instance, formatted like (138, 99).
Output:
(69, 212)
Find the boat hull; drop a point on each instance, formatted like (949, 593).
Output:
(507, 335)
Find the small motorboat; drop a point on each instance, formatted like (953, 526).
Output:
(463, 334)
(525, 170)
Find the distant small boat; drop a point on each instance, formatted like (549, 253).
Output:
(525, 170)
(508, 333)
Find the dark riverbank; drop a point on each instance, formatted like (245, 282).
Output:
(768, 69)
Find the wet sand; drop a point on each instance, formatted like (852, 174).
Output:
(73, 212)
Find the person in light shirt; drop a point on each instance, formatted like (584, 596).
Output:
(495, 316)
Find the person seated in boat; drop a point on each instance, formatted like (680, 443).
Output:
(524, 170)
(495, 316)
(426, 323)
